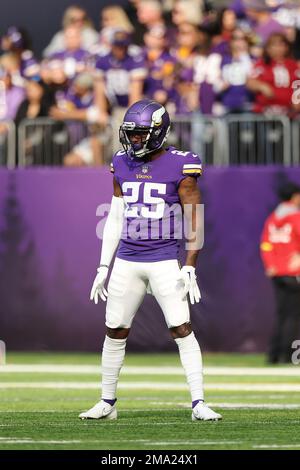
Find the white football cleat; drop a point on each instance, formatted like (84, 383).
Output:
(101, 410)
(203, 412)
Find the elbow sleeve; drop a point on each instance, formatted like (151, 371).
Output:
(112, 230)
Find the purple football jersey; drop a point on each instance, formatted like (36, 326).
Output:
(160, 73)
(73, 62)
(117, 75)
(68, 99)
(79, 55)
(235, 72)
(152, 224)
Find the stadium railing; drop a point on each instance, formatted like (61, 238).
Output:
(296, 141)
(236, 138)
(7, 144)
(233, 139)
(204, 134)
(43, 141)
(257, 139)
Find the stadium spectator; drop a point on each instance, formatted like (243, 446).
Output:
(150, 13)
(260, 14)
(53, 74)
(73, 57)
(36, 104)
(114, 16)
(10, 62)
(230, 82)
(206, 70)
(139, 29)
(187, 44)
(187, 11)
(227, 23)
(214, 35)
(238, 7)
(160, 65)
(119, 81)
(186, 54)
(57, 85)
(11, 95)
(272, 78)
(77, 104)
(183, 98)
(16, 41)
(73, 16)
(288, 15)
(280, 251)
(37, 100)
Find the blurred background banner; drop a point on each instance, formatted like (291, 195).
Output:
(49, 253)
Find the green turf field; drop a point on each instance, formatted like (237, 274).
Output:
(42, 394)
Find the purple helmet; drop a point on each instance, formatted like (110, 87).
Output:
(151, 120)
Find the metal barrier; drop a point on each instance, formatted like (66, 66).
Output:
(199, 133)
(296, 141)
(43, 141)
(7, 144)
(234, 139)
(256, 139)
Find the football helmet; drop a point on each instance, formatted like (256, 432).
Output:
(145, 128)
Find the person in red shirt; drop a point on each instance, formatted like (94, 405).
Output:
(272, 78)
(280, 252)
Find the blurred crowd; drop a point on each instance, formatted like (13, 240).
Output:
(189, 55)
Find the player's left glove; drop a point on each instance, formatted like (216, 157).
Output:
(98, 285)
(188, 277)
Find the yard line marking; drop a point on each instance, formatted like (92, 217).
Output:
(192, 442)
(289, 371)
(11, 440)
(168, 386)
(270, 406)
(274, 446)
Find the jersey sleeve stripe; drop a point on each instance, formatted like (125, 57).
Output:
(190, 171)
(192, 165)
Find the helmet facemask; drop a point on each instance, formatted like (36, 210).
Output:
(139, 148)
(146, 145)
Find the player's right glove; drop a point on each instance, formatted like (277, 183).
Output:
(189, 279)
(98, 285)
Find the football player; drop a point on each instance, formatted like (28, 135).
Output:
(148, 179)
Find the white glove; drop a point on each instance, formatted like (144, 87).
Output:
(188, 278)
(98, 285)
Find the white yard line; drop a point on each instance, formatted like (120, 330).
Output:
(9, 440)
(12, 440)
(290, 371)
(168, 386)
(148, 442)
(192, 443)
(234, 406)
(275, 446)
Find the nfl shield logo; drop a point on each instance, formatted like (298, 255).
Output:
(145, 169)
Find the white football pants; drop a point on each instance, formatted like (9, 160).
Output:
(127, 288)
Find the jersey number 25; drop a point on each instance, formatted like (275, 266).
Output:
(134, 201)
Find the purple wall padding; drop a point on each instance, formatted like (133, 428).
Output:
(49, 252)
